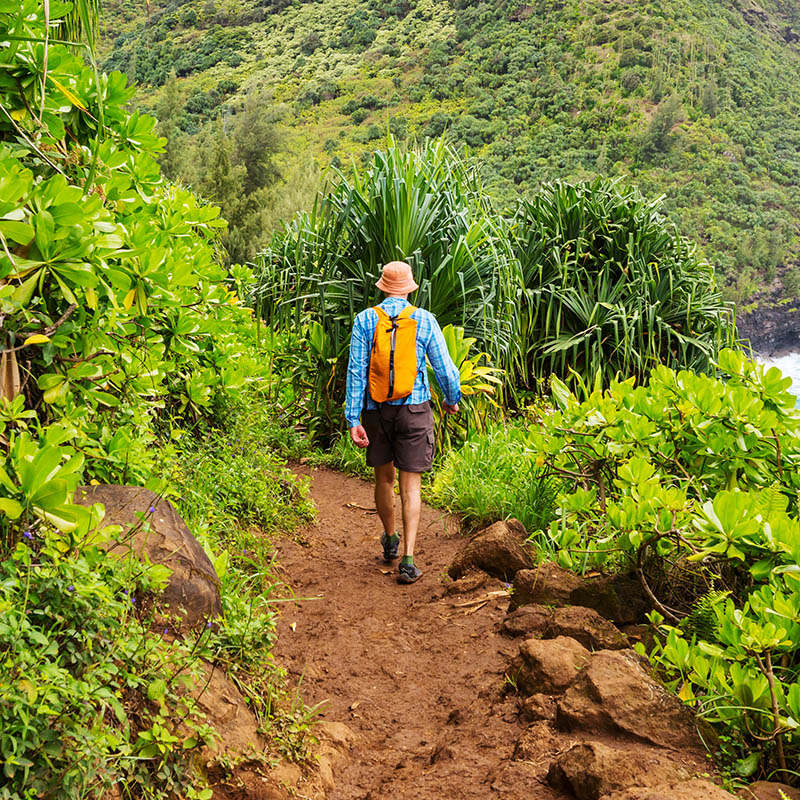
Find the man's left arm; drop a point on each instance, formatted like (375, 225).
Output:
(444, 369)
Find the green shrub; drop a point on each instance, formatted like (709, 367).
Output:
(90, 696)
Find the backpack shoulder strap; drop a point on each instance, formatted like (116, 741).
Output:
(407, 312)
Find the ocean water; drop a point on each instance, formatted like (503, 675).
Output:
(789, 365)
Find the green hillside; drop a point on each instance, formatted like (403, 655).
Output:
(699, 101)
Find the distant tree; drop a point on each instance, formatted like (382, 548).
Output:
(257, 140)
(708, 98)
(233, 166)
(169, 111)
(668, 113)
(659, 87)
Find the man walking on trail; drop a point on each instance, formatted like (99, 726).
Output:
(388, 405)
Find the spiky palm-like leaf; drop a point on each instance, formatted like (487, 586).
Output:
(608, 285)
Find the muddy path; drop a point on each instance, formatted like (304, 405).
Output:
(416, 673)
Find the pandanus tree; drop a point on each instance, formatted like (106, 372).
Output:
(607, 285)
(424, 206)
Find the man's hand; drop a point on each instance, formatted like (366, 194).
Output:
(450, 409)
(359, 436)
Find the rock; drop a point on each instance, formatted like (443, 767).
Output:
(591, 770)
(548, 584)
(160, 534)
(768, 790)
(586, 626)
(619, 598)
(538, 707)
(614, 694)
(336, 734)
(690, 790)
(497, 550)
(535, 740)
(472, 581)
(527, 620)
(547, 665)
(583, 624)
(228, 714)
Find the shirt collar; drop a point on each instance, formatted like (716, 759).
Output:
(394, 302)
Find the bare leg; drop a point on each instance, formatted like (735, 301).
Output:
(384, 496)
(410, 487)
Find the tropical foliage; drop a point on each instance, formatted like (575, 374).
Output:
(582, 278)
(609, 287)
(122, 340)
(424, 206)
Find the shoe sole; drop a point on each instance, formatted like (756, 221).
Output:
(406, 579)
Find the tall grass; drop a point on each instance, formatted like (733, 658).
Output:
(494, 476)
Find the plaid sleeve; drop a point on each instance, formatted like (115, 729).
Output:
(357, 373)
(446, 372)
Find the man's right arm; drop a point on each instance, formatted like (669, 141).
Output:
(356, 374)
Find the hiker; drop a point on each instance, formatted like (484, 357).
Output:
(388, 405)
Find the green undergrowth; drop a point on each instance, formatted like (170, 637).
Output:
(97, 689)
(495, 476)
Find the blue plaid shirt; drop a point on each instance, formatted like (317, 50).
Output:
(430, 343)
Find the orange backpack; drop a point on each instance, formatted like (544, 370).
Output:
(393, 359)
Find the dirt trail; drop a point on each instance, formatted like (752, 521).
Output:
(417, 677)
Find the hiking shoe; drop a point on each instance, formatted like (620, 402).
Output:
(389, 547)
(408, 573)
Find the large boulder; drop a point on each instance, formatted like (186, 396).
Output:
(591, 770)
(547, 666)
(228, 713)
(497, 550)
(586, 626)
(769, 790)
(548, 584)
(151, 527)
(619, 598)
(690, 790)
(614, 694)
(527, 621)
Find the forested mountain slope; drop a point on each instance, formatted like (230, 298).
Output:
(698, 100)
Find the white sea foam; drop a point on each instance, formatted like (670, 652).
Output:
(789, 365)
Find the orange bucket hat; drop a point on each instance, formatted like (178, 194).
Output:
(396, 278)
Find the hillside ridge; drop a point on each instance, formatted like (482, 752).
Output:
(698, 102)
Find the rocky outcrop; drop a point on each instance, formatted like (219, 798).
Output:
(592, 770)
(771, 329)
(614, 694)
(152, 528)
(497, 550)
(547, 665)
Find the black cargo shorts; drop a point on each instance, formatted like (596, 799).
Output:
(402, 434)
